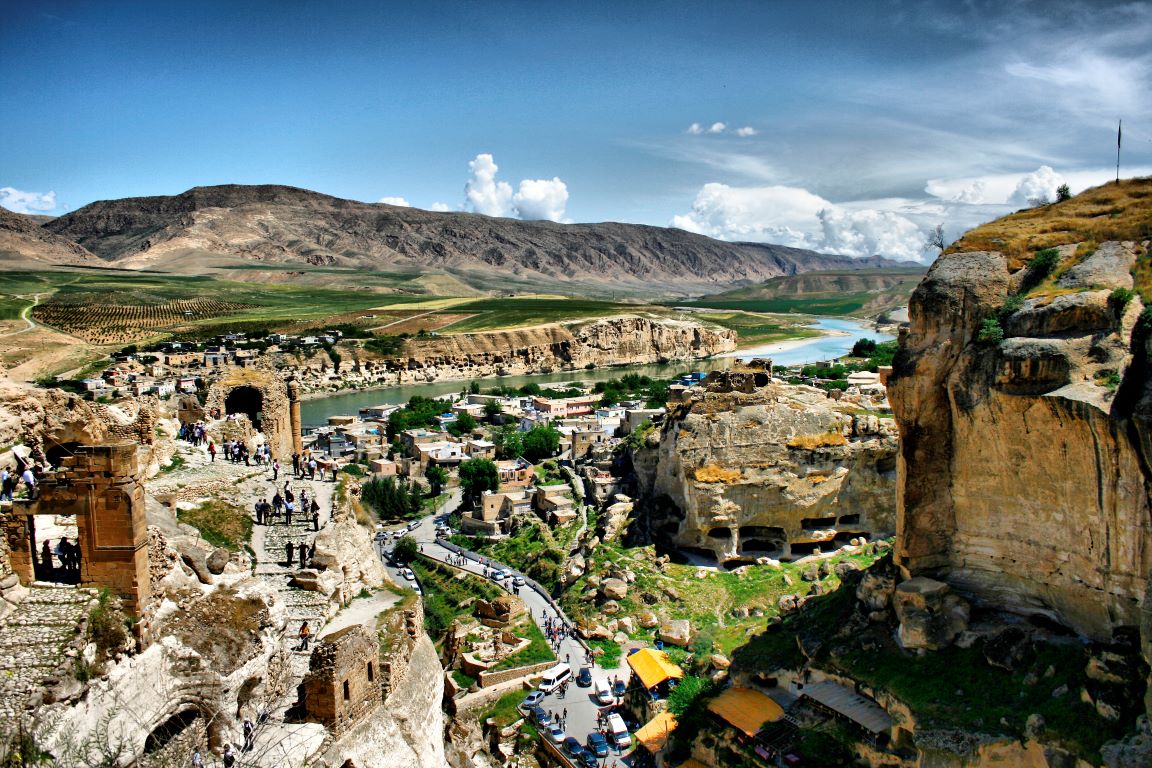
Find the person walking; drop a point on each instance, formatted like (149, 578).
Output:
(5, 488)
(288, 509)
(229, 756)
(289, 550)
(29, 482)
(249, 730)
(305, 636)
(275, 469)
(303, 552)
(212, 450)
(296, 464)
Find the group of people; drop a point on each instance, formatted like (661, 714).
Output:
(285, 504)
(10, 478)
(67, 552)
(237, 453)
(555, 630)
(193, 433)
(305, 465)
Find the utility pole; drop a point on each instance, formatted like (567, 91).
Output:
(1119, 125)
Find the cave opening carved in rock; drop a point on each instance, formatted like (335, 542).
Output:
(248, 401)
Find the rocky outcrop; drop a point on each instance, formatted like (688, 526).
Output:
(23, 241)
(779, 472)
(1024, 475)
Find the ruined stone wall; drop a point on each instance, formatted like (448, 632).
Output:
(772, 473)
(277, 417)
(1023, 481)
(343, 680)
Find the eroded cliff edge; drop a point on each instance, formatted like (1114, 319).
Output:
(1024, 472)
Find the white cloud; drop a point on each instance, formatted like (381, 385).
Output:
(535, 198)
(541, 199)
(440, 207)
(395, 201)
(483, 194)
(1041, 184)
(746, 131)
(19, 201)
(717, 127)
(695, 129)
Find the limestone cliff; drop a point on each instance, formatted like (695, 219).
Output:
(1023, 471)
(776, 472)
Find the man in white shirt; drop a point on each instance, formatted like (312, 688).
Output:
(29, 482)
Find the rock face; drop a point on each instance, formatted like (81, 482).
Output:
(24, 240)
(1024, 482)
(286, 225)
(778, 472)
(610, 341)
(930, 615)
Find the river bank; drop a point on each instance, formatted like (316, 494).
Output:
(836, 339)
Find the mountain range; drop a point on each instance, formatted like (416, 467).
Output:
(272, 227)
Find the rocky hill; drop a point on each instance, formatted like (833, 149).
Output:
(24, 242)
(281, 225)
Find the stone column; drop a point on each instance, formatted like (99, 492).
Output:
(294, 416)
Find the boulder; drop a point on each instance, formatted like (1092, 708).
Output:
(676, 632)
(930, 614)
(599, 632)
(620, 638)
(647, 619)
(195, 558)
(218, 560)
(614, 589)
(719, 661)
(625, 624)
(611, 607)
(876, 588)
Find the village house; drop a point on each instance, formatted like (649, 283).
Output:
(554, 504)
(477, 448)
(515, 473)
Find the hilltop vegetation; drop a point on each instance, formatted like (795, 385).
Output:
(834, 292)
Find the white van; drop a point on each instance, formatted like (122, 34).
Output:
(555, 677)
(603, 692)
(619, 732)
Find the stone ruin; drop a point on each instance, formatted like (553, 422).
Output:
(270, 405)
(100, 486)
(343, 683)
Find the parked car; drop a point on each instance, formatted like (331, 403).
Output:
(573, 746)
(540, 716)
(531, 700)
(584, 677)
(518, 581)
(603, 692)
(586, 760)
(597, 744)
(619, 688)
(381, 535)
(407, 573)
(556, 734)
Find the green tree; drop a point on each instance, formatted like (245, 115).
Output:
(420, 412)
(406, 550)
(392, 500)
(437, 476)
(990, 332)
(492, 409)
(541, 442)
(1063, 192)
(687, 692)
(474, 387)
(477, 476)
(463, 425)
(509, 442)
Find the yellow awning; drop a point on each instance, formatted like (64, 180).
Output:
(745, 709)
(692, 763)
(653, 667)
(654, 733)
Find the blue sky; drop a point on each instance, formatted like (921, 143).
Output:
(848, 127)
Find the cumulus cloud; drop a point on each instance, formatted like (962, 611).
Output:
(717, 127)
(541, 199)
(746, 131)
(483, 194)
(395, 201)
(795, 217)
(440, 207)
(19, 201)
(695, 129)
(1041, 184)
(534, 199)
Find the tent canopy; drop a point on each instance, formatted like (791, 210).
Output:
(745, 709)
(654, 734)
(653, 667)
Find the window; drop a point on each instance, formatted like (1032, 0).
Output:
(347, 691)
(371, 673)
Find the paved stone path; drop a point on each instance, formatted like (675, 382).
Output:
(33, 641)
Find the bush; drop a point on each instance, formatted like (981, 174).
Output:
(1118, 300)
(687, 692)
(1041, 265)
(406, 550)
(1063, 192)
(392, 500)
(990, 332)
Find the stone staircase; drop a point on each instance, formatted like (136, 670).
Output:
(37, 640)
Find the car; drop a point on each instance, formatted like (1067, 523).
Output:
(518, 581)
(413, 525)
(584, 677)
(572, 746)
(381, 535)
(498, 576)
(597, 744)
(540, 716)
(619, 688)
(531, 700)
(586, 759)
(556, 734)
(603, 692)
(407, 573)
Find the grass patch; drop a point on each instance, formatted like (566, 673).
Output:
(463, 680)
(220, 524)
(610, 659)
(536, 652)
(532, 550)
(176, 463)
(446, 596)
(494, 314)
(504, 710)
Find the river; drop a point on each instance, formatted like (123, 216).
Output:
(315, 412)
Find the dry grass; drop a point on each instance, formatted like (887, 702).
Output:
(1114, 211)
(818, 441)
(713, 473)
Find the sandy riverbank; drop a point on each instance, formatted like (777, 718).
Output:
(775, 348)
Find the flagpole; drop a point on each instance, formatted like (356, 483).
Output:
(1119, 124)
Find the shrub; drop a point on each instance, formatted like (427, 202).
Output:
(1118, 300)
(1041, 265)
(990, 332)
(686, 693)
(1063, 192)
(392, 500)
(406, 550)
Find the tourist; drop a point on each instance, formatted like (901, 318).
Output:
(260, 512)
(289, 550)
(29, 482)
(197, 758)
(275, 470)
(212, 450)
(46, 555)
(248, 732)
(289, 508)
(296, 464)
(229, 756)
(315, 516)
(305, 634)
(303, 550)
(7, 484)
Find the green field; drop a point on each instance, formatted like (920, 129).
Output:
(756, 328)
(512, 312)
(11, 307)
(813, 304)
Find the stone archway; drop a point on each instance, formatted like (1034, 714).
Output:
(246, 400)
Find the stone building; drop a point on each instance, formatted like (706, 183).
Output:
(343, 683)
(271, 406)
